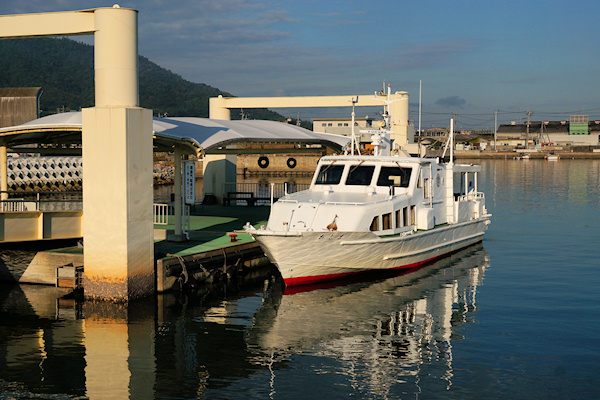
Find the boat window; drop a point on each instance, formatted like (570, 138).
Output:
(330, 175)
(360, 175)
(394, 176)
(375, 224)
(405, 216)
(387, 221)
(413, 215)
(399, 219)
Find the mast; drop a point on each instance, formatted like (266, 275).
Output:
(420, 87)
(353, 134)
(451, 140)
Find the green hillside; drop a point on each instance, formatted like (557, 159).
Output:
(64, 69)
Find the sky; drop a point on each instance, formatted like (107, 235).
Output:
(471, 57)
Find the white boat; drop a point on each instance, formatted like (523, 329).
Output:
(373, 212)
(552, 157)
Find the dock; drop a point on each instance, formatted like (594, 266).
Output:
(216, 253)
(216, 249)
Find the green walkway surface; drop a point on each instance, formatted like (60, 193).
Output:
(210, 226)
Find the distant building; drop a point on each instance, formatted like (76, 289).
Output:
(434, 133)
(577, 131)
(19, 105)
(343, 126)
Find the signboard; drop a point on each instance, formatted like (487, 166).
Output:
(189, 182)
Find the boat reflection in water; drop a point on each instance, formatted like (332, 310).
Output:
(383, 338)
(384, 332)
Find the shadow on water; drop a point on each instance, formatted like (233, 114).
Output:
(16, 257)
(237, 341)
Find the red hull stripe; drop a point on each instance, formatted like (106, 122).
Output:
(307, 280)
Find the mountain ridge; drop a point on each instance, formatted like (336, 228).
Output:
(64, 69)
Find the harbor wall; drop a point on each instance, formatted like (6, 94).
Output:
(477, 154)
(277, 164)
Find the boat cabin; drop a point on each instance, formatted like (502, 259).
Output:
(382, 195)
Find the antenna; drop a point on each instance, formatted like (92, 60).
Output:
(353, 134)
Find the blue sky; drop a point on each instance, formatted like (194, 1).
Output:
(472, 57)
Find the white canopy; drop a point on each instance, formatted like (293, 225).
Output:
(204, 134)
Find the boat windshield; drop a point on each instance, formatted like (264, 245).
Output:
(329, 174)
(360, 175)
(394, 176)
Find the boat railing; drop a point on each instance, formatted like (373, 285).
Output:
(471, 196)
(261, 193)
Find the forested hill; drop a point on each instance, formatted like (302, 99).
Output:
(64, 69)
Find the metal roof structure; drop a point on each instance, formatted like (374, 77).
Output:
(199, 135)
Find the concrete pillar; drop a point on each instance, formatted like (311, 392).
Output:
(217, 170)
(3, 171)
(115, 57)
(117, 168)
(117, 203)
(398, 111)
(217, 108)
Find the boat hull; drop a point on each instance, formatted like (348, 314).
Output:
(309, 257)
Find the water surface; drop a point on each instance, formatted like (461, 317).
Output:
(514, 318)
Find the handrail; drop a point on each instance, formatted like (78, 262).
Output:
(161, 214)
(264, 191)
(40, 201)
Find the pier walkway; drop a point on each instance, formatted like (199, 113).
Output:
(209, 247)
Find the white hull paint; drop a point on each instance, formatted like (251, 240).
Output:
(342, 253)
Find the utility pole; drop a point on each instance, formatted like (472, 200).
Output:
(527, 132)
(495, 128)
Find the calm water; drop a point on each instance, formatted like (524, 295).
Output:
(516, 318)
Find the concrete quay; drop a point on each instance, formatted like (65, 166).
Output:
(215, 252)
(214, 256)
(509, 155)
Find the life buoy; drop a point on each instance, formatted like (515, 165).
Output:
(263, 162)
(291, 162)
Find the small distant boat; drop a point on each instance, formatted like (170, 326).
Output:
(552, 157)
(522, 157)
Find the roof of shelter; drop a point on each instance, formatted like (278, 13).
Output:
(203, 134)
(20, 92)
